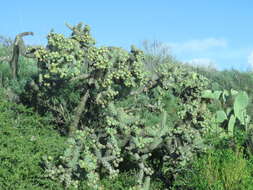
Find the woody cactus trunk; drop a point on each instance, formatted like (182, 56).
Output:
(18, 49)
(114, 113)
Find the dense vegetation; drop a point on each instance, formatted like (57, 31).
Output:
(77, 116)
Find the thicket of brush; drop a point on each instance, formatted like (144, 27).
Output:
(77, 116)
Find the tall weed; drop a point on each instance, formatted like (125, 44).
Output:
(222, 169)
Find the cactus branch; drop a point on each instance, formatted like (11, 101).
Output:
(17, 51)
(78, 112)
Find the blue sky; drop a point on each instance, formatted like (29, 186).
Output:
(196, 31)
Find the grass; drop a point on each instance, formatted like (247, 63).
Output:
(219, 169)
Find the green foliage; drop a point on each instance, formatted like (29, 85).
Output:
(119, 117)
(25, 139)
(220, 169)
(27, 69)
(124, 181)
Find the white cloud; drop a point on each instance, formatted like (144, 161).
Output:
(250, 59)
(198, 45)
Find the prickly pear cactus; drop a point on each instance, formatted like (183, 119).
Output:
(232, 110)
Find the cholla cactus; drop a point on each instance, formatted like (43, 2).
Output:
(115, 112)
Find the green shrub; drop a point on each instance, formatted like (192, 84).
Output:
(124, 181)
(220, 169)
(25, 138)
(28, 68)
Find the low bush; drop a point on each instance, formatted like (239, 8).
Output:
(25, 138)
